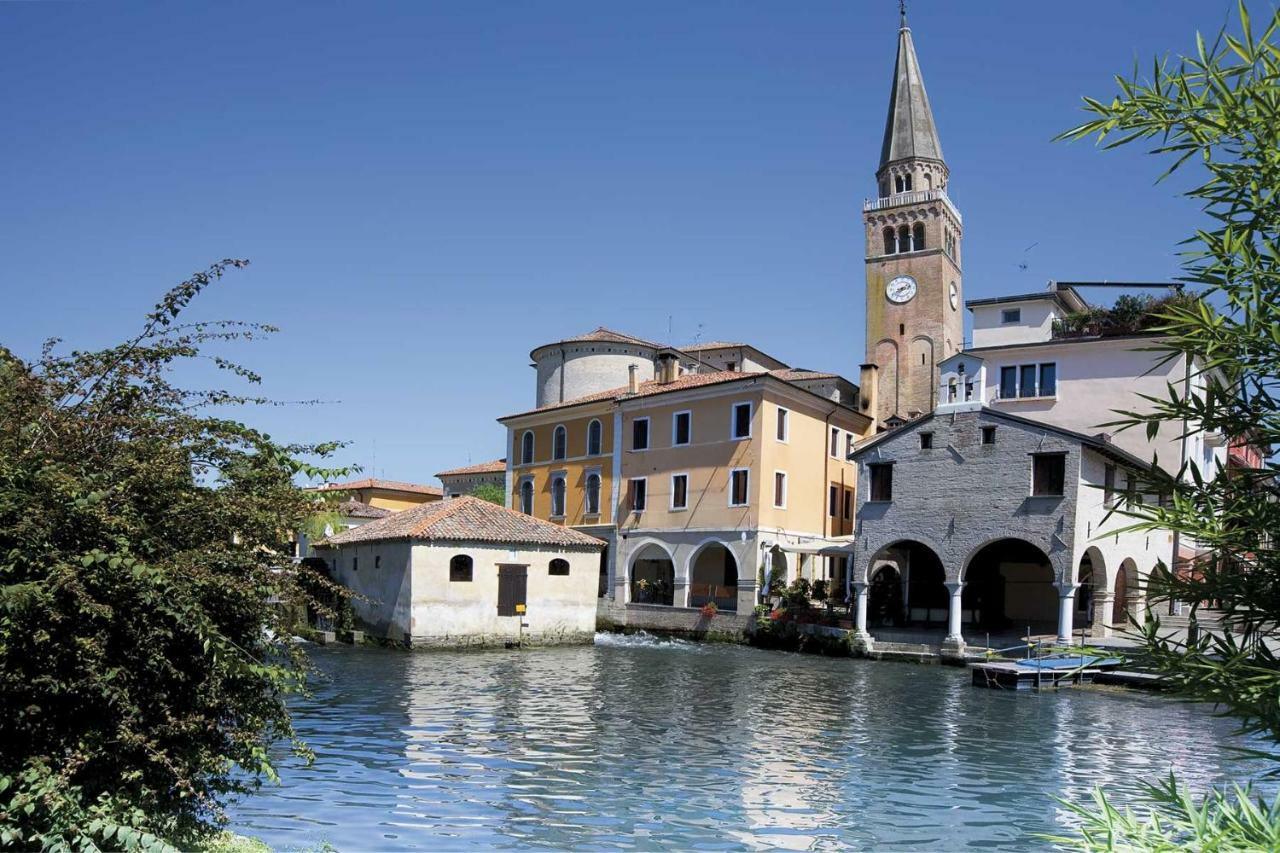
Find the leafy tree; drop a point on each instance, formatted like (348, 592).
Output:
(1217, 113)
(489, 492)
(142, 536)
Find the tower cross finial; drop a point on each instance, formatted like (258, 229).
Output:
(902, 11)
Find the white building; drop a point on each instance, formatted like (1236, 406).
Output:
(466, 572)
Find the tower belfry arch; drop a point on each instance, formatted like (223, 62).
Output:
(914, 295)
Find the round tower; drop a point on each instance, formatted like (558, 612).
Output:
(590, 363)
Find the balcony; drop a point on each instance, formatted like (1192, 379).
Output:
(913, 197)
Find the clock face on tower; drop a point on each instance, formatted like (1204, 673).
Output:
(901, 289)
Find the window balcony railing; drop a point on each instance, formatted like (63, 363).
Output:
(913, 197)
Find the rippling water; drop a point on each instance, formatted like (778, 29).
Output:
(638, 742)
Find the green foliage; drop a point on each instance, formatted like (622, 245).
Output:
(142, 536)
(490, 492)
(1215, 113)
(1176, 820)
(819, 591)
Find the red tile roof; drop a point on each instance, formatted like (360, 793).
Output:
(497, 465)
(716, 345)
(465, 519)
(375, 483)
(353, 508)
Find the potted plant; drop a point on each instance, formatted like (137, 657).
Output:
(709, 610)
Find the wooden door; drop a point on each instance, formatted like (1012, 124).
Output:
(513, 585)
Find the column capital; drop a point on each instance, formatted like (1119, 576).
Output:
(954, 586)
(1065, 589)
(860, 586)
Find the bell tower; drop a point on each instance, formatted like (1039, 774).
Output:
(914, 291)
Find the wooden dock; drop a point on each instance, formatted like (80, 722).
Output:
(1043, 673)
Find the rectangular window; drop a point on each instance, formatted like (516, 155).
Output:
(738, 487)
(848, 504)
(513, 585)
(1011, 315)
(833, 501)
(355, 564)
(640, 434)
(988, 435)
(783, 426)
(849, 441)
(1027, 387)
(1048, 379)
(1048, 474)
(1008, 383)
(679, 491)
(1109, 486)
(681, 428)
(881, 481)
(780, 489)
(636, 490)
(741, 421)
(926, 441)
(835, 442)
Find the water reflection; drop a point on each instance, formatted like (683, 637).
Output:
(647, 743)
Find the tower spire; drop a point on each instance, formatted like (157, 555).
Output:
(909, 131)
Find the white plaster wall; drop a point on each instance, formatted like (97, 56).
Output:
(1095, 378)
(444, 612)
(1036, 323)
(382, 586)
(588, 368)
(1093, 528)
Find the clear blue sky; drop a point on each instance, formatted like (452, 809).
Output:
(429, 190)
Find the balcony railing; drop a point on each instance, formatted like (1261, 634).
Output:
(913, 197)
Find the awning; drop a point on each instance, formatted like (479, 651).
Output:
(839, 546)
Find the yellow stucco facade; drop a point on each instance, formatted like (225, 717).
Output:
(576, 467)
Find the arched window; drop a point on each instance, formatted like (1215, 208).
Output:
(897, 183)
(593, 494)
(557, 496)
(526, 497)
(917, 237)
(904, 238)
(559, 442)
(526, 447)
(558, 566)
(928, 181)
(906, 182)
(460, 569)
(594, 431)
(890, 243)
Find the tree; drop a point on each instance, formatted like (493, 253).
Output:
(143, 670)
(494, 494)
(1217, 113)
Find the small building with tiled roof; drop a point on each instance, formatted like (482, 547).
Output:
(393, 495)
(468, 478)
(466, 572)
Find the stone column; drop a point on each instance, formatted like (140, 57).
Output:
(1066, 611)
(953, 645)
(680, 592)
(1103, 601)
(861, 595)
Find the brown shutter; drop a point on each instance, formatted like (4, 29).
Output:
(513, 584)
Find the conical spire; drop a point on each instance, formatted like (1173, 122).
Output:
(909, 130)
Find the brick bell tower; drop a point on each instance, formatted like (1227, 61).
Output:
(914, 290)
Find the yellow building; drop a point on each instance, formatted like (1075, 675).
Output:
(385, 494)
(694, 473)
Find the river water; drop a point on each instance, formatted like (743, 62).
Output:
(639, 742)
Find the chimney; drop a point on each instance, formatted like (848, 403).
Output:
(868, 387)
(668, 367)
(633, 380)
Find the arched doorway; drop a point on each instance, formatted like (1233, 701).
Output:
(1126, 576)
(1089, 580)
(1009, 586)
(653, 576)
(884, 605)
(713, 577)
(921, 597)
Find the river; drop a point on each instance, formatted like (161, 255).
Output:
(641, 742)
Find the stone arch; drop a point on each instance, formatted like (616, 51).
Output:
(1010, 583)
(1091, 591)
(651, 571)
(713, 573)
(1125, 592)
(921, 578)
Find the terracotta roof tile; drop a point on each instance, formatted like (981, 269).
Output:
(353, 508)
(465, 519)
(492, 467)
(716, 345)
(375, 483)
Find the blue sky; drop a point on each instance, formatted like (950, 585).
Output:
(429, 190)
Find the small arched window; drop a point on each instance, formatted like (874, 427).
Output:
(526, 447)
(890, 242)
(460, 569)
(928, 181)
(557, 496)
(917, 237)
(897, 183)
(906, 182)
(559, 442)
(593, 494)
(594, 441)
(904, 238)
(526, 497)
(558, 566)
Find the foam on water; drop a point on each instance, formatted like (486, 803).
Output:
(645, 640)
